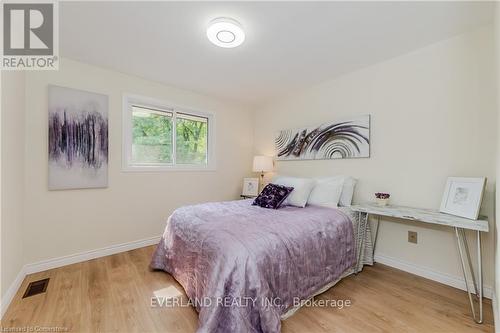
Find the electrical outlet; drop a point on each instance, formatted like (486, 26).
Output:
(412, 237)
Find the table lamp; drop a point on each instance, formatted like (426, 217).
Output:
(262, 164)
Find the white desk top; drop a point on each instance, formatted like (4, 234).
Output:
(423, 215)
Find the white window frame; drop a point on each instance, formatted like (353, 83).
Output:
(130, 100)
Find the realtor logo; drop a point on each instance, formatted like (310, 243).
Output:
(29, 36)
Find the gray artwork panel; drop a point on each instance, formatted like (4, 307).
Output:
(332, 140)
(78, 139)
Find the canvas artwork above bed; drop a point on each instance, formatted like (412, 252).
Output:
(332, 140)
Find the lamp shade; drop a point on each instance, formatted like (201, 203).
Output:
(262, 163)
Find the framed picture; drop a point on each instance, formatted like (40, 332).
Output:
(250, 187)
(336, 139)
(78, 139)
(463, 196)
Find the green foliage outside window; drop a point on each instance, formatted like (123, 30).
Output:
(191, 141)
(152, 138)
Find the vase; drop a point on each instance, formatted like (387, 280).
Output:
(382, 202)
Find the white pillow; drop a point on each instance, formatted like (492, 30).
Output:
(347, 191)
(326, 192)
(347, 188)
(302, 187)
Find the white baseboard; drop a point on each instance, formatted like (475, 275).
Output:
(68, 260)
(450, 280)
(11, 292)
(494, 303)
(88, 255)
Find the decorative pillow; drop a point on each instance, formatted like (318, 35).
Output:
(272, 196)
(302, 187)
(326, 192)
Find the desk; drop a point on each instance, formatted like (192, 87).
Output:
(434, 217)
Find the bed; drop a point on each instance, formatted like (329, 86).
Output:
(245, 268)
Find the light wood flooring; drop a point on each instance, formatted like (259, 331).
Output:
(113, 294)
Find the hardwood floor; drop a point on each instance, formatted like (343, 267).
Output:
(113, 294)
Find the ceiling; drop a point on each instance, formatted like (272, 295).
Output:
(289, 46)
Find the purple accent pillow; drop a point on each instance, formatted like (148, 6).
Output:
(272, 196)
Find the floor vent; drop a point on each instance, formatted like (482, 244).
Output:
(36, 287)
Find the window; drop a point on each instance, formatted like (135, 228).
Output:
(151, 136)
(191, 139)
(161, 137)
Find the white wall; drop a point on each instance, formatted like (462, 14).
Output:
(135, 205)
(433, 116)
(12, 177)
(497, 229)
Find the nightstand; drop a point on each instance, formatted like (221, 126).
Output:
(247, 196)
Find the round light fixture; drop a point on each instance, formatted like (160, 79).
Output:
(225, 32)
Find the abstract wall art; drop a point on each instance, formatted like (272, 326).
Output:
(78, 139)
(332, 140)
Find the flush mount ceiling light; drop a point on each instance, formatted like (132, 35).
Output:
(225, 32)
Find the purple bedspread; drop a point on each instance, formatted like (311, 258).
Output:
(244, 266)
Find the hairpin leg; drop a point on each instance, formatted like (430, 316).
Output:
(463, 247)
(471, 269)
(480, 278)
(376, 236)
